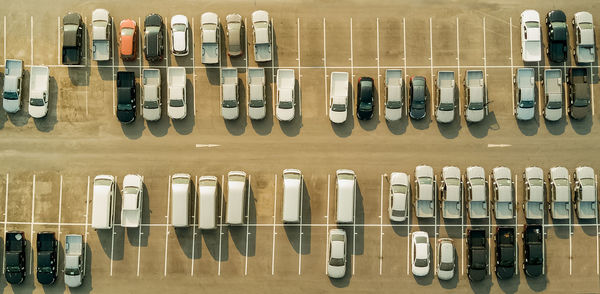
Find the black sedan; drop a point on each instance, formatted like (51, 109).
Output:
(533, 250)
(154, 35)
(126, 96)
(364, 99)
(556, 21)
(505, 252)
(46, 257)
(15, 257)
(418, 97)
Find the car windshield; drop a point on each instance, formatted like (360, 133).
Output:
(535, 182)
(425, 180)
(10, 95)
(446, 106)
(338, 107)
(36, 102)
(336, 261)
(507, 260)
(446, 266)
(586, 26)
(151, 104)
(102, 182)
(13, 269)
(477, 182)
(452, 181)
(399, 189)
(532, 24)
(178, 27)
(554, 105)
(420, 262)
(153, 29)
(256, 103)
(229, 104)
(180, 181)
(503, 182)
(418, 104)
(72, 272)
(561, 182)
(127, 32)
(124, 107)
(398, 213)
(100, 23)
(71, 27)
(45, 270)
(394, 104)
(476, 106)
(365, 106)
(587, 182)
(526, 104)
(581, 102)
(285, 105)
(176, 103)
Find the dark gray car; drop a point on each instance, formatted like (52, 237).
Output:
(579, 92)
(418, 97)
(154, 46)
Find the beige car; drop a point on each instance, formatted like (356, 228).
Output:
(234, 34)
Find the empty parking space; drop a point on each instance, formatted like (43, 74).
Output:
(364, 41)
(312, 41)
(338, 47)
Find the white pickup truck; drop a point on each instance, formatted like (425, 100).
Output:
(477, 194)
(451, 192)
(133, 195)
(261, 25)
(210, 38)
(338, 97)
(13, 79)
(176, 95)
(230, 109)
(553, 90)
(101, 35)
(39, 81)
(151, 93)
(476, 107)
(394, 94)
(533, 185)
(503, 193)
(425, 191)
(585, 193)
(74, 271)
(257, 107)
(445, 97)
(285, 94)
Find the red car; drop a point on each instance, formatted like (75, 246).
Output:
(128, 39)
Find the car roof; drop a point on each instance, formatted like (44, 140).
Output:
(153, 20)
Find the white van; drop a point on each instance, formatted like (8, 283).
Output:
(207, 190)
(345, 189)
(180, 200)
(292, 195)
(102, 209)
(236, 196)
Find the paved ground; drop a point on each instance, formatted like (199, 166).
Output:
(48, 164)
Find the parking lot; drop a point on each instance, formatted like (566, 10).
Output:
(49, 164)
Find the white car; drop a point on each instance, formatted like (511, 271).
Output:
(257, 106)
(151, 93)
(477, 192)
(420, 253)
(560, 193)
(585, 46)
(446, 259)
(338, 97)
(425, 186)
(585, 193)
(211, 36)
(531, 36)
(285, 95)
(176, 97)
(230, 109)
(38, 91)
(336, 266)
(131, 211)
(503, 192)
(451, 191)
(394, 94)
(399, 195)
(533, 183)
(179, 35)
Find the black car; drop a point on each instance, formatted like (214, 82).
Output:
(15, 257)
(418, 97)
(556, 21)
(533, 250)
(477, 254)
(505, 252)
(579, 92)
(72, 39)
(364, 98)
(154, 34)
(126, 101)
(46, 257)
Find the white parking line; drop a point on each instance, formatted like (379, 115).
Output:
(592, 87)
(489, 222)
(194, 222)
(378, 78)
(58, 53)
(115, 77)
(597, 245)
(512, 70)
(516, 225)
(167, 51)
(32, 222)
(139, 239)
(31, 38)
(435, 223)
(404, 58)
(381, 223)
(352, 90)
(353, 229)
(87, 213)
(565, 89)
(167, 221)
(5, 217)
(570, 239)
(324, 65)
(194, 84)
(462, 227)
(60, 207)
(221, 225)
(247, 223)
(539, 86)
(112, 237)
(408, 230)
(299, 73)
(301, 220)
(327, 225)
(274, 233)
(432, 93)
(458, 67)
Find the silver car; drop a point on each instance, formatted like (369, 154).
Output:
(446, 259)
(585, 46)
(399, 194)
(525, 87)
(336, 265)
(476, 107)
(234, 34)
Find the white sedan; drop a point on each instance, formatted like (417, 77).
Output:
(179, 35)
(531, 36)
(399, 194)
(445, 266)
(131, 212)
(336, 266)
(420, 254)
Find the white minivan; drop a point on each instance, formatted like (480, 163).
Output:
(292, 195)
(102, 208)
(236, 195)
(180, 198)
(207, 191)
(345, 189)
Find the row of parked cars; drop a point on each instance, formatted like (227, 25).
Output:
(47, 252)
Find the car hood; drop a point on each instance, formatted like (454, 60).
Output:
(14, 278)
(445, 275)
(73, 281)
(474, 115)
(477, 274)
(444, 116)
(338, 117)
(417, 113)
(505, 272)
(576, 112)
(533, 50)
(152, 114)
(230, 113)
(285, 114)
(393, 114)
(179, 41)
(176, 112)
(553, 114)
(125, 116)
(525, 113)
(336, 271)
(257, 112)
(533, 270)
(45, 278)
(11, 106)
(38, 111)
(420, 271)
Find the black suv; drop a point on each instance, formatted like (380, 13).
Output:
(15, 257)
(72, 36)
(154, 34)
(126, 101)
(364, 98)
(533, 250)
(418, 97)
(556, 21)
(579, 92)
(477, 254)
(505, 252)
(46, 257)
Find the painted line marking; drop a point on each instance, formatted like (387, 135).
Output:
(378, 73)
(301, 222)
(194, 224)
(274, 233)
(431, 63)
(87, 213)
(112, 241)
(221, 225)
(327, 225)
(352, 90)
(167, 221)
(5, 218)
(381, 227)
(247, 223)
(458, 67)
(207, 145)
(324, 63)
(404, 58)
(498, 145)
(512, 70)
(194, 81)
(32, 222)
(299, 73)
(58, 53)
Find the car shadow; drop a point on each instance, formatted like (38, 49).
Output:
(244, 236)
(483, 286)
(3, 115)
(47, 123)
(537, 284)
(185, 126)
(588, 226)
(582, 126)
(481, 129)
(562, 230)
(529, 127)
(306, 221)
(556, 127)
(397, 127)
(510, 285)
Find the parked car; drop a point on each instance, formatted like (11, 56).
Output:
(446, 259)
(399, 197)
(234, 34)
(421, 255)
(364, 98)
(585, 46)
(534, 193)
(179, 35)
(533, 250)
(336, 265)
(230, 109)
(451, 192)
(236, 197)
(133, 196)
(72, 47)
(292, 196)
(579, 92)
(586, 192)
(126, 96)
(556, 21)
(14, 257)
(560, 193)
(525, 87)
(261, 26)
(418, 97)
(74, 271)
(103, 202)
(13, 82)
(176, 97)
(553, 88)
(154, 34)
(211, 36)
(505, 252)
(445, 85)
(394, 94)
(128, 39)
(477, 254)
(47, 247)
(152, 103)
(477, 193)
(476, 106)
(39, 84)
(286, 82)
(503, 193)
(425, 191)
(101, 35)
(208, 187)
(531, 36)
(257, 105)
(345, 190)
(338, 97)
(181, 190)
